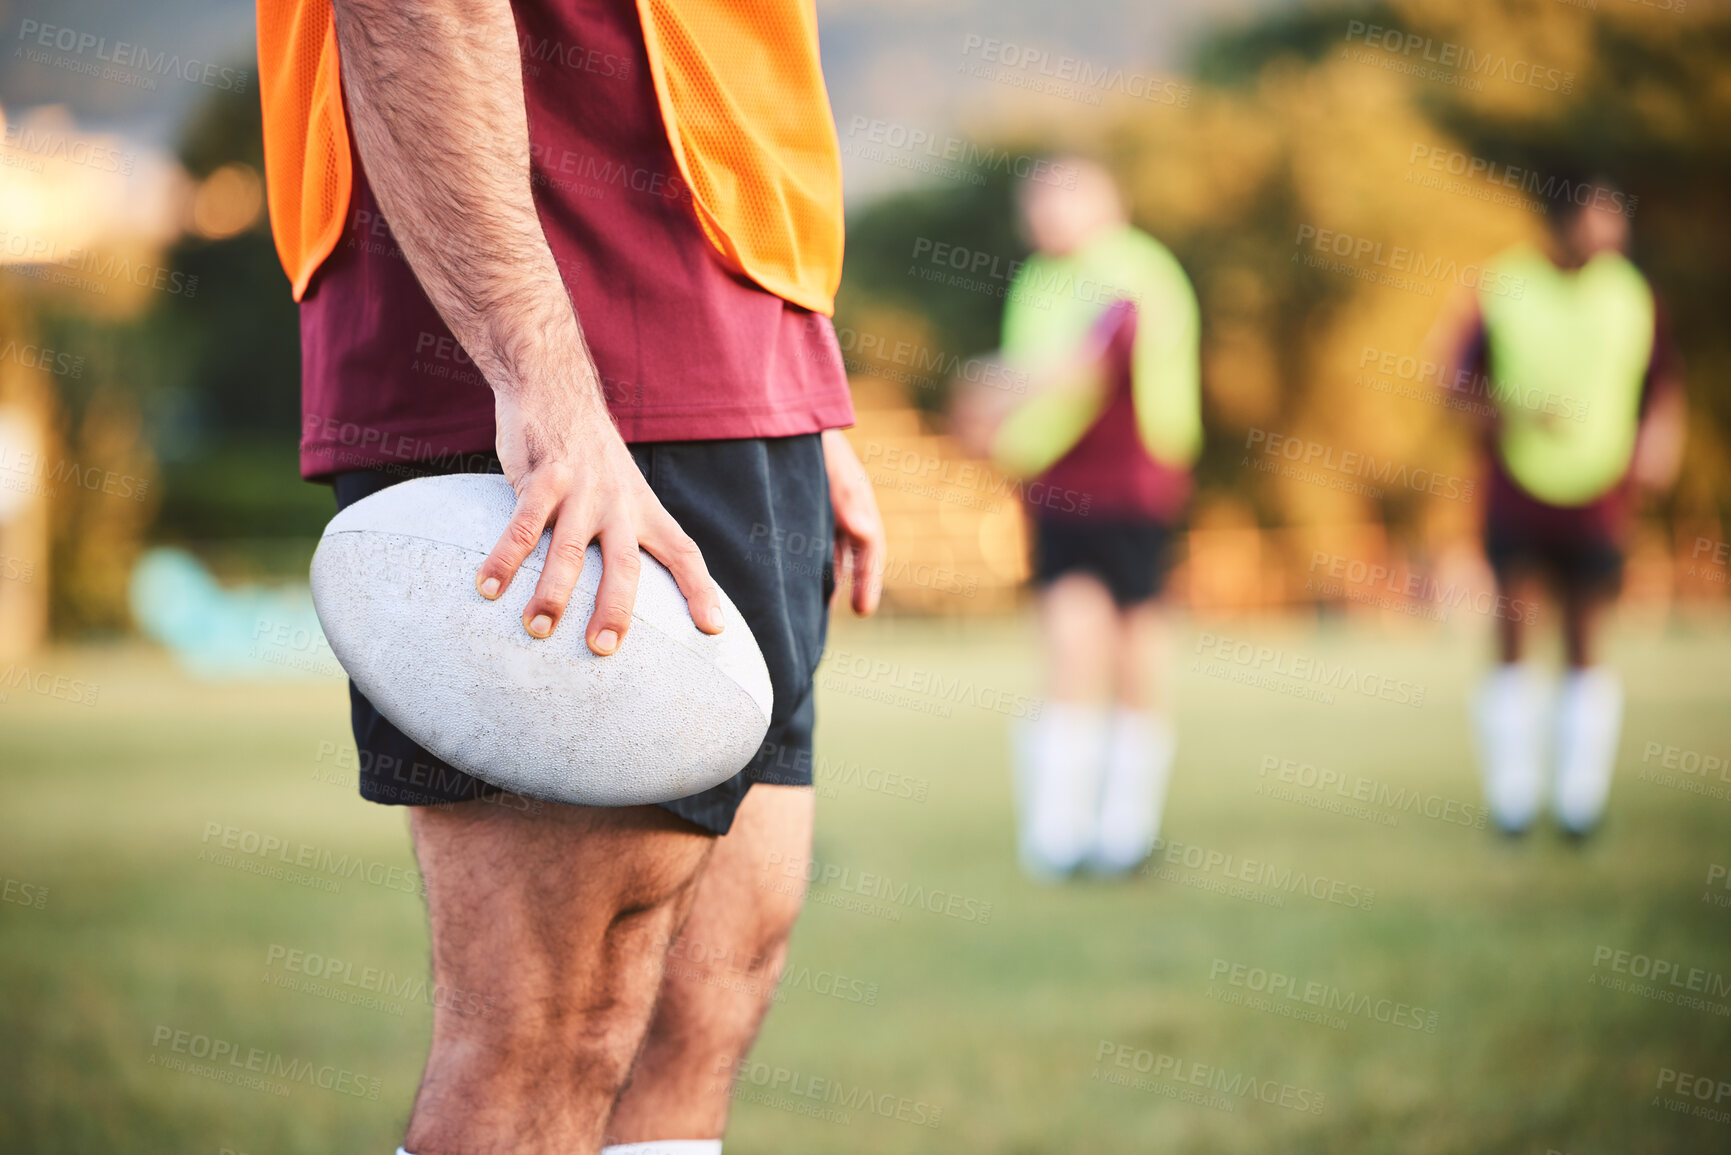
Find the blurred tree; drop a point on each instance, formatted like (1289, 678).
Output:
(901, 251)
(228, 414)
(1298, 124)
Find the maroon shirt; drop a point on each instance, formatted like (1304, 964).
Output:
(1109, 475)
(687, 349)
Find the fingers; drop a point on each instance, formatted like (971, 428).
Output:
(859, 567)
(620, 566)
(671, 546)
(867, 573)
(571, 537)
(838, 568)
(535, 506)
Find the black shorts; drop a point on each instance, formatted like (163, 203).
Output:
(1587, 563)
(1131, 558)
(759, 510)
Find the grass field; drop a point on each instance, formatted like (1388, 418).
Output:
(1392, 979)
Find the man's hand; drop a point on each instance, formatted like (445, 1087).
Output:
(1659, 444)
(435, 99)
(859, 531)
(572, 472)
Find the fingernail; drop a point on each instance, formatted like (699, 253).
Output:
(716, 621)
(541, 625)
(490, 588)
(606, 641)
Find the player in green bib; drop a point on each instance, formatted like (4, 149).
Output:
(1102, 325)
(1569, 349)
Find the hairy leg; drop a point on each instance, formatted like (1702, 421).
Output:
(721, 972)
(1080, 624)
(548, 929)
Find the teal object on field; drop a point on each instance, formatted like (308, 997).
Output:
(240, 633)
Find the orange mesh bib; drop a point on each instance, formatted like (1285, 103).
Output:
(741, 95)
(306, 140)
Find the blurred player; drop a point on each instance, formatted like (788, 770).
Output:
(1587, 406)
(1104, 325)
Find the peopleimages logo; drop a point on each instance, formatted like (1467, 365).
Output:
(933, 687)
(869, 137)
(1434, 378)
(1322, 781)
(881, 887)
(84, 269)
(1398, 259)
(36, 147)
(329, 976)
(1464, 61)
(1333, 575)
(1315, 455)
(1524, 181)
(1258, 872)
(125, 59)
(1665, 971)
(1069, 77)
(1325, 997)
(790, 1089)
(1230, 1084)
(226, 1061)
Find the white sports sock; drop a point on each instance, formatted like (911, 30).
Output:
(1139, 755)
(1589, 719)
(1060, 755)
(1508, 711)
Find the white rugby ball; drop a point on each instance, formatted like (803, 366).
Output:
(672, 712)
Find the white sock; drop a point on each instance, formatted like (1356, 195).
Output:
(1060, 756)
(1589, 720)
(1139, 755)
(1508, 711)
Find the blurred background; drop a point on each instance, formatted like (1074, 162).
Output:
(149, 496)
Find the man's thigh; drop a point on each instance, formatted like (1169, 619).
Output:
(525, 905)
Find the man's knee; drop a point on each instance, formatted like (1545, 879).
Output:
(755, 882)
(768, 931)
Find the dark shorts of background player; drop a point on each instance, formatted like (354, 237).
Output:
(759, 510)
(1131, 558)
(1572, 565)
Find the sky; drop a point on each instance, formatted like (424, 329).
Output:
(934, 71)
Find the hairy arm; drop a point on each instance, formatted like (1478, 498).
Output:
(435, 97)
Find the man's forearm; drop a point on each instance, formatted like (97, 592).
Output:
(435, 97)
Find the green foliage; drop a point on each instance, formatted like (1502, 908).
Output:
(1294, 125)
(892, 240)
(1235, 56)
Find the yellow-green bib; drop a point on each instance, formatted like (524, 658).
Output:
(1567, 358)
